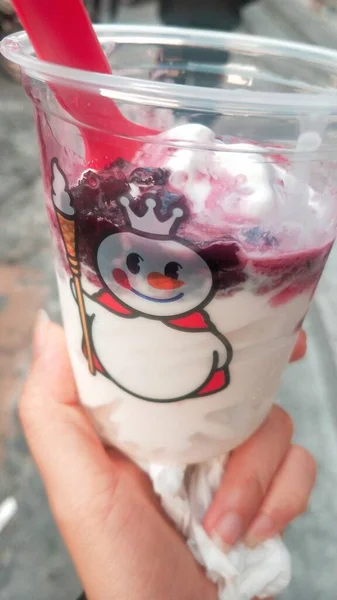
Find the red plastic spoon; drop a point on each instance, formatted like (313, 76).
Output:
(61, 32)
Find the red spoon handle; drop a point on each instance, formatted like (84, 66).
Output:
(61, 32)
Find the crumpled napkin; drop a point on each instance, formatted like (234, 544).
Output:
(243, 573)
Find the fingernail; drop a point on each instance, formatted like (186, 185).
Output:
(230, 528)
(262, 528)
(218, 541)
(40, 332)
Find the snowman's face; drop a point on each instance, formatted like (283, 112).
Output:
(161, 278)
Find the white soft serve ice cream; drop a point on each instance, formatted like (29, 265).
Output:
(196, 272)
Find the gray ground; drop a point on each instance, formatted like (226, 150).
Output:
(33, 562)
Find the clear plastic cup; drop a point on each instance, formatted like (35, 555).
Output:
(185, 274)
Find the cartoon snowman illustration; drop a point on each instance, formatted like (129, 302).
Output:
(147, 329)
(150, 332)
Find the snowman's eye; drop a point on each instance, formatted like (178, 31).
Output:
(132, 262)
(172, 270)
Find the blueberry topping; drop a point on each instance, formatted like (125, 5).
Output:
(225, 262)
(168, 200)
(260, 237)
(142, 177)
(230, 259)
(145, 177)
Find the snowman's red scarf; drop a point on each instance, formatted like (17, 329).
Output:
(196, 321)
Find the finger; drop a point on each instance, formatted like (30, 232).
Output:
(287, 498)
(300, 347)
(247, 478)
(61, 438)
(91, 501)
(109, 525)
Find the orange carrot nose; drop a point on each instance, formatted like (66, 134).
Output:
(162, 282)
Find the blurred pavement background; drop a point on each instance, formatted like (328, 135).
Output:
(33, 562)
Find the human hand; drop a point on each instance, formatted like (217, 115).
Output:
(122, 544)
(267, 483)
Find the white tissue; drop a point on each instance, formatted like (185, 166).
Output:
(243, 573)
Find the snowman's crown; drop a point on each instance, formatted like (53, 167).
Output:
(149, 223)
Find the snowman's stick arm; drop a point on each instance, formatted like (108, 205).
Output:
(84, 323)
(77, 289)
(85, 294)
(65, 213)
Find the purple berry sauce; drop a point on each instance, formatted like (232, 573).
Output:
(233, 260)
